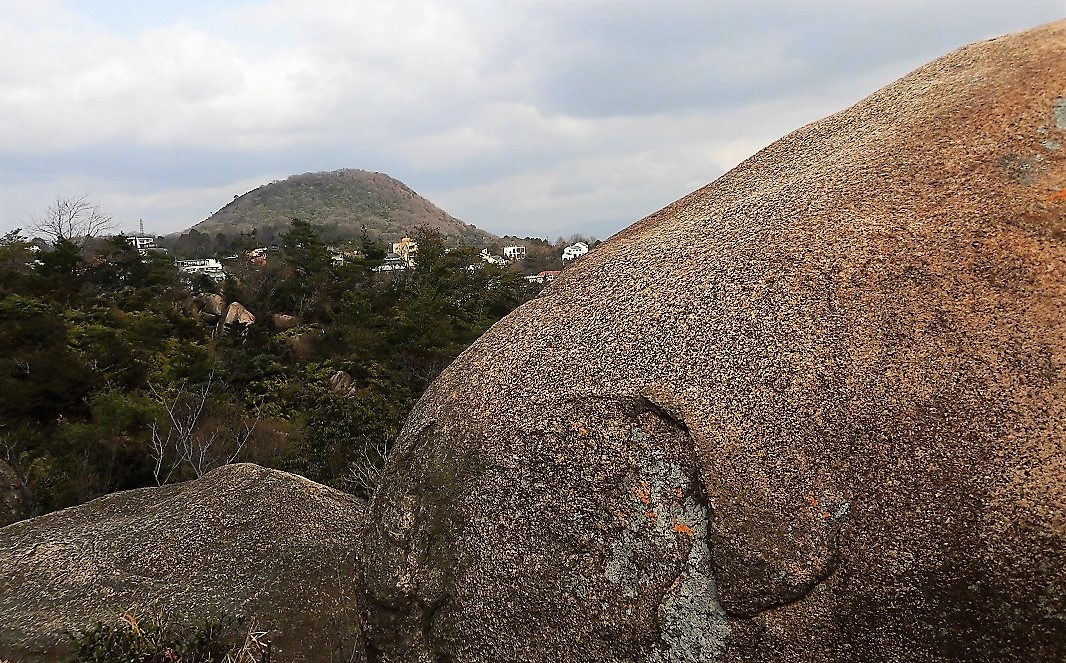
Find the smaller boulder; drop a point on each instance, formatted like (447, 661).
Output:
(245, 540)
(235, 314)
(341, 382)
(284, 322)
(15, 502)
(212, 303)
(302, 344)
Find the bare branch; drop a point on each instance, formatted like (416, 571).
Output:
(71, 219)
(187, 444)
(242, 440)
(365, 474)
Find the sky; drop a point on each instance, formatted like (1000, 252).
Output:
(531, 117)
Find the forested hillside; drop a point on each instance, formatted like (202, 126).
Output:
(341, 203)
(115, 373)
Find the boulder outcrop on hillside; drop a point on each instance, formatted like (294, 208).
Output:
(271, 546)
(341, 382)
(814, 411)
(14, 500)
(212, 304)
(283, 321)
(235, 314)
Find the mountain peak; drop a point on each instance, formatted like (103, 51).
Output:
(343, 202)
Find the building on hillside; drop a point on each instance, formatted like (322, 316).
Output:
(546, 276)
(575, 251)
(493, 260)
(340, 256)
(514, 252)
(393, 263)
(406, 248)
(207, 266)
(549, 275)
(142, 243)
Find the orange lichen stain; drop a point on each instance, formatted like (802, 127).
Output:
(642, 492)
(825, 514)
(682, 528)
(680, 494)
(651, 514)
(1058, 197)
(812, 500)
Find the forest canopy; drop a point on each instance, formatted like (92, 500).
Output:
(117, 373)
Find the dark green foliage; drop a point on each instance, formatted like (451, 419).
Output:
(345, 430)
(110, 378)
(40, 376)
(145, 640)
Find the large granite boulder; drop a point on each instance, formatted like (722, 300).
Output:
(273, 547)
(15, 502)
(213, 305)
(235, 314)
(814, 411)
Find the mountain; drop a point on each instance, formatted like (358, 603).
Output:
(343, 202)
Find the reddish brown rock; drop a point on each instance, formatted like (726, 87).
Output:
(814, 411)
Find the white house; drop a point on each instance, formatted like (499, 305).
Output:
(514, 252)
(392, 263)
(141, 243)
(491, 259)
(575, 251)
(208, 266)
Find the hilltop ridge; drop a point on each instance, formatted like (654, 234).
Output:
(342, 202)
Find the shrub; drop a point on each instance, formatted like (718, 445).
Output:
(138, 639)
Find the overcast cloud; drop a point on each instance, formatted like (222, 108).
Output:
(535, 117)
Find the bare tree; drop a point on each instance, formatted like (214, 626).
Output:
(72, 219)
(364, 473)
(185, 443)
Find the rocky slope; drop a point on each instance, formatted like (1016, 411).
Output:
(813, 411)
(273, 547)
(343, 202)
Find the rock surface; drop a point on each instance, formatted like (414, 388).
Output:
(814, 411)
(15, 502)
(340, 382)
(212, 303)
(235, 313)
(272, 546)
(283, 321)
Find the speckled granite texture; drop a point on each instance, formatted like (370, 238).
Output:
(273, 547)
(813, 411)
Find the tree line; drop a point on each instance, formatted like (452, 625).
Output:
(114, 373)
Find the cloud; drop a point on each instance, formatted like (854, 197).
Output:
(527, 116)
